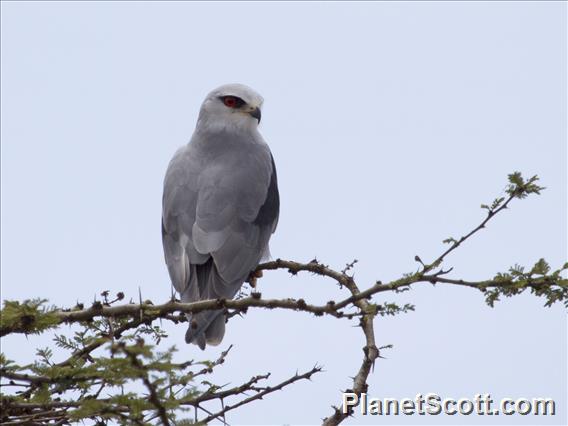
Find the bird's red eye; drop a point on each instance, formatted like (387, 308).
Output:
(230, 101)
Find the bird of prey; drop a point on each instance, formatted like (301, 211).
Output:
(220, 206)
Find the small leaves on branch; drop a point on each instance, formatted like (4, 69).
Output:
(29, 317)
(70, 391)
(551, 286)
(519, 188)
(114, 347)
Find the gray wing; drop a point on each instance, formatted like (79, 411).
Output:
(218, 214)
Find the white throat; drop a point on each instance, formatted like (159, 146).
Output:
(232, 122)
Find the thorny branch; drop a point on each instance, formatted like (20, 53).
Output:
(357, 304)
(263, 392)
(249, 386)
(147, 312)
(154, 398)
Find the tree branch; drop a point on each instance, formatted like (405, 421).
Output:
(109, 322)
(260, 393)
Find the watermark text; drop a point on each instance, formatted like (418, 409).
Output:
(432, 404)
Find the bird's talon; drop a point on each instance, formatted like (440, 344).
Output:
(253, 277)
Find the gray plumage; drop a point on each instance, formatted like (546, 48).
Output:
(220, 206)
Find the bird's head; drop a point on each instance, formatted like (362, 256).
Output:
(233, 106)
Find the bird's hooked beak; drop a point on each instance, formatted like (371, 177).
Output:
(255, 112)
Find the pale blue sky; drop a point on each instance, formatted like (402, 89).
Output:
(390, 124)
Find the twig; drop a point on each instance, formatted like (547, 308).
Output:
(490, 214)
(153, 394)
(262, 393)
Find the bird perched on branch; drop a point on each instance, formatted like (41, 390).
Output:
(220, 206)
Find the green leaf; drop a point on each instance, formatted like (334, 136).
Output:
(540, 268)
(30, 317)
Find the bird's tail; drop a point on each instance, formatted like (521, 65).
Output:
(206, 328)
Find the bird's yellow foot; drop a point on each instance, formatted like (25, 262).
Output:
(254, 275)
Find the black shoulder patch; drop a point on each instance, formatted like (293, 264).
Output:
(269, 211)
